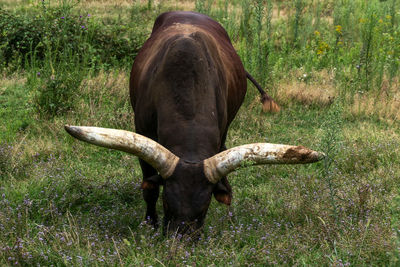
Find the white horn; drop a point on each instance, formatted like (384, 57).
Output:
(160, 158)
(229, 160)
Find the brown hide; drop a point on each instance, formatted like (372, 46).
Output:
(172, 24)
(187, 84)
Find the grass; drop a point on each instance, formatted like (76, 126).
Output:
(64, 203)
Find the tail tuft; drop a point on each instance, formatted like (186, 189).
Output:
(269, 105)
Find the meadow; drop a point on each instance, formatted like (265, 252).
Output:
(333, 67)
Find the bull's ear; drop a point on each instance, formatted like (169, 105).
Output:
(152, 182)
(223, 198)
(223, 192)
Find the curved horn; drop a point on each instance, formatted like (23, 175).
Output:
(229, 160)
(160, 158)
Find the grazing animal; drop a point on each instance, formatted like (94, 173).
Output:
(186, 86)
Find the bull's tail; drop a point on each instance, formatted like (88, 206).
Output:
(269, 105)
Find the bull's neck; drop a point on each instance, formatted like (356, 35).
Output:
(190, 140)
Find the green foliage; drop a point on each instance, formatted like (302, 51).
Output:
(58, 29)
(331, 145)
(58, 47)
(203, 6)
(15, 111)
(19, 37)
(360, 44)
(396, 225)
(5, 158)
(55, 92)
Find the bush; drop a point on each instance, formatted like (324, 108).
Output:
(58, 47)
(19, 36)
(55, 93)
(30, 36)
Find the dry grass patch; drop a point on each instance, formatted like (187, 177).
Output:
(112, 8)
(369, 131)
(318, 90)
(115, 82)
(279, 13)
(307, 94)
(11, 80)
(106, 9)
(182, 5)
(11, 4)
(34, 146)
(385, 106)
(105, 5)
(98, 91)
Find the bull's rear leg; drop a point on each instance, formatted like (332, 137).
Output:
(151, 191)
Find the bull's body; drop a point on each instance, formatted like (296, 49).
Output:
(187, 84)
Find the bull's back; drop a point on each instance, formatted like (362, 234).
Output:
(177, 23)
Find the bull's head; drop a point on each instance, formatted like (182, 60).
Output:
(188, 186)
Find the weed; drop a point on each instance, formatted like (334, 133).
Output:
(299, 5)
(331, 143)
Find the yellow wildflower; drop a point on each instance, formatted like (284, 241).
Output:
(339, 29)
(388, 17)
(317, 33)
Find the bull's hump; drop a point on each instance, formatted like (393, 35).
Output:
(185, 71)
(180, 28)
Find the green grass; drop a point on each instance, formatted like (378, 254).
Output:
(63, 202)
(15, 110)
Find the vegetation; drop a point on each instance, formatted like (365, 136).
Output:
(333, 66)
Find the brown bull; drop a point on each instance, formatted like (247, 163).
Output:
(187, 84)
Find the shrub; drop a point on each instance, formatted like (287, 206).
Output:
(59, 47)
(55, 92)
(31, 35)
(19, 36)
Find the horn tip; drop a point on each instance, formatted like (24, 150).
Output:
(316, 156)
(301, 155)
(72, 130)
(320, 155)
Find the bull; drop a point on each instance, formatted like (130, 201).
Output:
(186, 86)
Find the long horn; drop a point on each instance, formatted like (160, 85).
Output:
(160, 158)
(229, 160)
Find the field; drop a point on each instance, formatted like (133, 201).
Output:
(333, 66)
